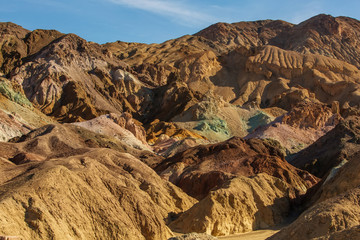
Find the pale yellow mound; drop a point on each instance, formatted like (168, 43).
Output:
(245, 204)
(101, 194)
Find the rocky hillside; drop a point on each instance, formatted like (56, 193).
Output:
(236, 128)
(331, 149)
(335, 211)
(66, 186)
(203, 168)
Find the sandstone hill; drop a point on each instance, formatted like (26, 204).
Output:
(122, 127)
(242, 185)
(241, 205)
(66, 189)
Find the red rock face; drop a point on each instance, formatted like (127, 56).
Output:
(200, 169)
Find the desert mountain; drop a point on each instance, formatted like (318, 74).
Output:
(119, 75)
(229, 130)
(322, 34)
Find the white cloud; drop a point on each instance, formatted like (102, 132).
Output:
(177, 11)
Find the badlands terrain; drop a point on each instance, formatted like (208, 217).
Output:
(240, 127)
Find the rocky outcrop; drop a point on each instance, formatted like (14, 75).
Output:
(12, 48)
(158, 128)
(56, 140)
(200, 169)
(164, 55)
(16, 43)
(17, 114)
(335, 209)
(240, 205)
(73, 80)
(167, 139)
(121, 127)
(217, 120)
(191, 59)
(247, 34)
(169, 147)
(300, 127)
(39, 38)
(11, 127)
(326, 79)
(126, 121)
(311, 115)
(174, 98)
(326, 220)
(331, 149)
(336, 37)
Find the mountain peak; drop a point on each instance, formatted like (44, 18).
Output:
(12, 29)
(324, 24)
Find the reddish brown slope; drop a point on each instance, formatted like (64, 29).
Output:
(202, 168)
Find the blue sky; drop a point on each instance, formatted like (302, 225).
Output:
(155, 21)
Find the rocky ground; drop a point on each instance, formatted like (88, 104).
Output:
(237, 128)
